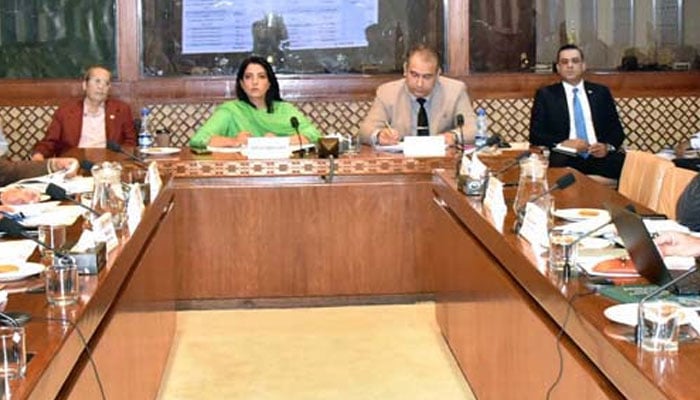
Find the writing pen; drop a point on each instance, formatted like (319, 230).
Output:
(387, 125)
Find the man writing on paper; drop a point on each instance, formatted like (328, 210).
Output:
(578, 120)
(422, 103)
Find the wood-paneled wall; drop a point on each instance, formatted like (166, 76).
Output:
(131, 87)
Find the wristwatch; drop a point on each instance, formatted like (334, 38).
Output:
(610, 147)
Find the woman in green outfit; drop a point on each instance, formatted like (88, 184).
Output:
(258, 111)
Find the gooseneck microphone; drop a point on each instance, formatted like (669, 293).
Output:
(58, 193)
(495, 139)
(512, 163)
(115, 147)
(561, 183)
(86, 165)
(15, 229)
(640, 317)
(295, 124)
(460, 125)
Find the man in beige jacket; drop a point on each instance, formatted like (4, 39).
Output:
(396, 111)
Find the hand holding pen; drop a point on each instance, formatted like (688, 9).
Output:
(388, 135)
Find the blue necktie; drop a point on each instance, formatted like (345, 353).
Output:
(579, 121)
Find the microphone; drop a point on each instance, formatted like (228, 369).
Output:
(86, 165)
(331, 170)
(15, 229)
(460, 125)
(295, 124)
(575, 242)
(115, 147)
(512, 163)
(58, 193)
(561, 183)
(672, 282)
(495, 139)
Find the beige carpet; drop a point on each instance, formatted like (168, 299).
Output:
(360, 352)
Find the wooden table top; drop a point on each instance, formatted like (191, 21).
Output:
(55, 344)
(637, 374)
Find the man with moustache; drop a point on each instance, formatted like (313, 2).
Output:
(580, 116)
(89, 122)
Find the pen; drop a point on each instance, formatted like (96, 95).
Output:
(386, 125)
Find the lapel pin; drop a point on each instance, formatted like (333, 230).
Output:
(111, 116)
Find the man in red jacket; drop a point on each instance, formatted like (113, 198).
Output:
(89, 122)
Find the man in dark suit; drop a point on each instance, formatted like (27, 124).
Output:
(578, 118)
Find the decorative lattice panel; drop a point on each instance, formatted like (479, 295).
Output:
(654, 123)
(182, 120)
(340, 117)
(509, 118)
(23, 127)
(651, 123)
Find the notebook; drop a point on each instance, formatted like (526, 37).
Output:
(644, 253)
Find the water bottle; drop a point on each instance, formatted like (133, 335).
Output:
(145, 137)
(481, 128)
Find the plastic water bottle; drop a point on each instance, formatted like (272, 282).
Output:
(482, 132)
(145, 137)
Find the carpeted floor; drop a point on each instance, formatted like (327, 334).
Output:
(361, 352)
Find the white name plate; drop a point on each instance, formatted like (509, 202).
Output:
(424, 146)
(103, 230)
(268, 147)
(493, 198)
(534, 227)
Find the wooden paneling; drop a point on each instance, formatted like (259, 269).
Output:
(132, 350)
(634, 373)
(504, 344)
(288, 240)
(138, 90)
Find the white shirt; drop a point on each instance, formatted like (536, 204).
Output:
(583, 98)
(93, 133)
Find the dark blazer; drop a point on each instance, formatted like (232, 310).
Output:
(67, 124)
(549, 122)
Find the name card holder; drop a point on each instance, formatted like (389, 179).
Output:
(268, 148)
(493, 198)
(534, 228)
(424, 146)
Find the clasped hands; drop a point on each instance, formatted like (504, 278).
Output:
(597, 150)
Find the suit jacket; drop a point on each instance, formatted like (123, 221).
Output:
(67, 124)
(11, 171)
(549, 122)
(393, 105)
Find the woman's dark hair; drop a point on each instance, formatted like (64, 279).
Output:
(273, 93)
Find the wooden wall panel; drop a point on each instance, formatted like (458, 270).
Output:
(292, 240)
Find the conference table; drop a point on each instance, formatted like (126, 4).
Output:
(370, 227)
